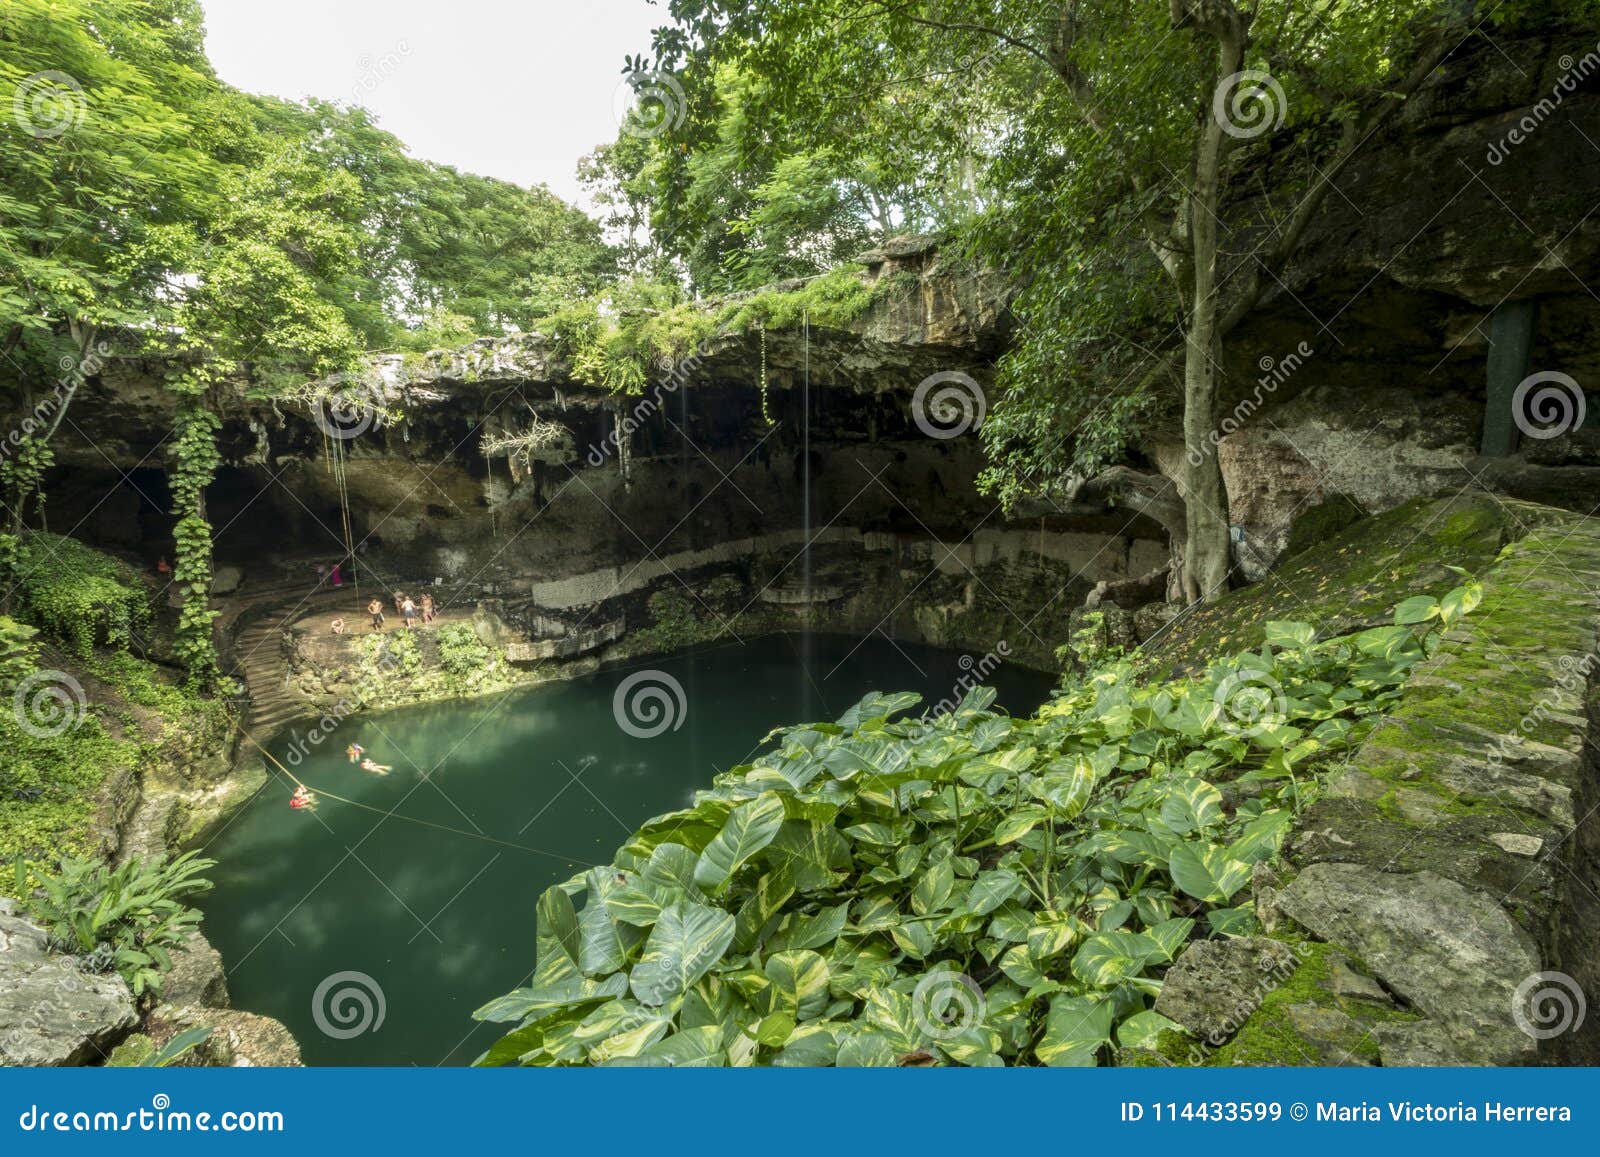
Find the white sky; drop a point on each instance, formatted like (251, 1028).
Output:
(513, 90)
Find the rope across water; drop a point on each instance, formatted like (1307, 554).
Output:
(390, 813)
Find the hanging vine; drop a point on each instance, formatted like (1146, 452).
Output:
(766, 409)
(195, 461)
(21, 475)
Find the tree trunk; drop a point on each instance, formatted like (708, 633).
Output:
(1207, 557)
(1206, 563)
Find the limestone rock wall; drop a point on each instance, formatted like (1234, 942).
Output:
(1448, 867)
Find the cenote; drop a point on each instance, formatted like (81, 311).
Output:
(442, 922)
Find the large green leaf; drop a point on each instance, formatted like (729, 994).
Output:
(1106, 959)
(761, 904)
(692, 1048)
(687, 939)
(932, 888)
(800, 981)
(556, 944)
(1191, 805)
(1207, 872)
(749, 829)
(1075, 1029)
(990, 890)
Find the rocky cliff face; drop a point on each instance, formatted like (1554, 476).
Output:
(1363, 373)
(1436, 905)
(1358, 384)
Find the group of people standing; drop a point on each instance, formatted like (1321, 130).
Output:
(409, 609)
(406, 607)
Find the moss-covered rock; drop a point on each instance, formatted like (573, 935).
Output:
(1354, 580)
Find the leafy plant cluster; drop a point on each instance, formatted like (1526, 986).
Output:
(618, 340)
(974, 889)
(195, 459)
(126, 918)
(396, 666)
(80, 595)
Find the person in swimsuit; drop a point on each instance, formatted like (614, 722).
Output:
(303, 799)
(409, 610)
(375, 768)
(355, 751)
(375, 609)
(427, 608)
(338, 626)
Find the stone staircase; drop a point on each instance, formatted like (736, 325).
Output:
(259, 654)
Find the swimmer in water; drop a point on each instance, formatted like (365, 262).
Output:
(375, 768)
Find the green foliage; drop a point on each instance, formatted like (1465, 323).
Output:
(195, 459)
(128, 918)
(972, 889)
(95, 174)
(461, 653)
(641, 328)
(744, 191)
(139, 1051)
(80, 595)
(18, 652)
(400, 666)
